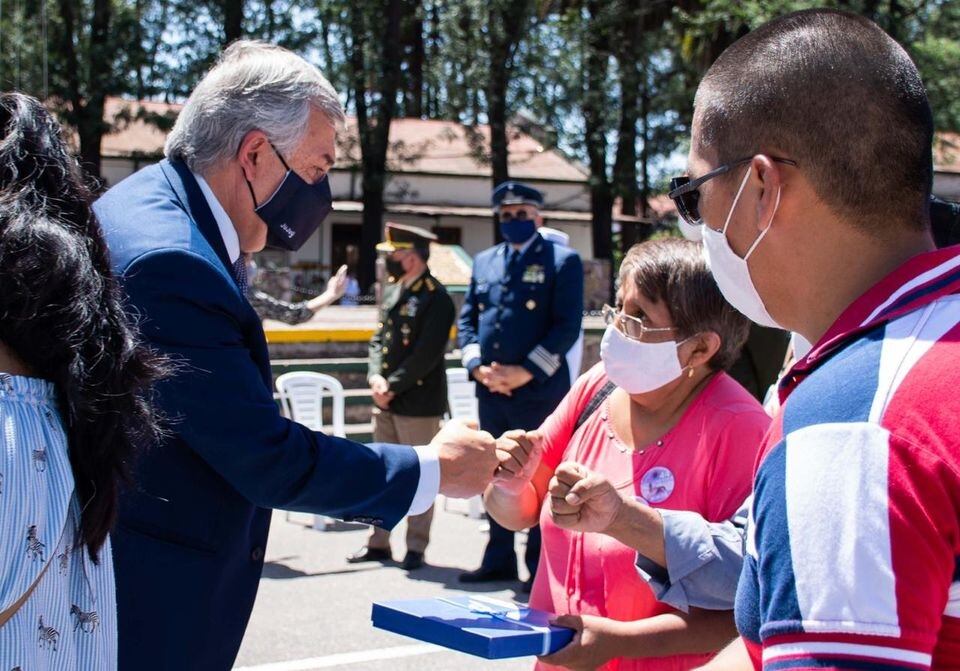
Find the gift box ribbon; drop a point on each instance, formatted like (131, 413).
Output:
(506, 611)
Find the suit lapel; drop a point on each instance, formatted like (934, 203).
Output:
(189, 193)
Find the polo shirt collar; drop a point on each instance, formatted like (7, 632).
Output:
(916, 283)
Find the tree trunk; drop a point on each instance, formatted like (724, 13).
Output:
(87, 110)
(414, 96)
(625, 164)
(506, 24)
(374, 138)
(594, 106)
(232, 20)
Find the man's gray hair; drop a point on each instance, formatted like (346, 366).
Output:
(254, 86)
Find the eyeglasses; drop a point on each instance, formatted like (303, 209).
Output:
(685, 193)
(520, 215)
(632, 327)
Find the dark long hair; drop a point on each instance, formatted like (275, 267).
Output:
(61, 311)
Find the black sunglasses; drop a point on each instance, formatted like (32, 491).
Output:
(685, 193)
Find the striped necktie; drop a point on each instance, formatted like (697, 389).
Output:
(240, 273)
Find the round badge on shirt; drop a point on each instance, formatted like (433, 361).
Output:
(657, 484)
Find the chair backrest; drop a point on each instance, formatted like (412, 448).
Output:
(302, 394)
(462, 395)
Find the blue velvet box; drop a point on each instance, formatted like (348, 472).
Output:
(477, 625)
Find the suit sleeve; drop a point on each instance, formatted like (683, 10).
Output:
(429, 348)
(547, 357)
(221, 408)
(467, 337)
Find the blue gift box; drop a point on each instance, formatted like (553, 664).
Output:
(477, 625)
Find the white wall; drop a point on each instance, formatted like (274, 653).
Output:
(464, 191)
(947, 185)
(476, 232)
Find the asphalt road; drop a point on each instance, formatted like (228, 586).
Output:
(313, 609)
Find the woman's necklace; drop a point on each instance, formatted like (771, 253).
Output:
(612, 436)
(623, 447)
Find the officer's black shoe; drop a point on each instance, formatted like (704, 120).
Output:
(369, 554)
(488, 575)
(412, 561)
(526, 586)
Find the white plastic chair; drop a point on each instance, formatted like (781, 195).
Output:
(302, 395)
(462, 395)
(462, 399)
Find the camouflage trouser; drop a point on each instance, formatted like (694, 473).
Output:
(391, 428)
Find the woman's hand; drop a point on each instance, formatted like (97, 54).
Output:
(519, 453)
(593, 645)
(581, 500)
(337, 284)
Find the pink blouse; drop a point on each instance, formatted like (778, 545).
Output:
(703, 464)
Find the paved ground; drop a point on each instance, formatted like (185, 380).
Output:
(313, 609)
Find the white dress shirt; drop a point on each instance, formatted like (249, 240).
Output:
(429, 457)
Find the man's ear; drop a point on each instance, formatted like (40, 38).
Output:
(249, 154)
(768, 177)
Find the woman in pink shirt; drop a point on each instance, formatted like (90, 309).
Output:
(662, 422)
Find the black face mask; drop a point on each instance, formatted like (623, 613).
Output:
(394, 268)
(295, 210)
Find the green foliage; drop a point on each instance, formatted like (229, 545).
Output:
(160, 48)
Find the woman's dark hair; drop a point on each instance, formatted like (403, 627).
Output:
(675, 272)
(61, 312)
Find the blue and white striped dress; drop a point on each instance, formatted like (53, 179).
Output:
(70, 620)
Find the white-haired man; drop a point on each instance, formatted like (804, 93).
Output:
(247, 164)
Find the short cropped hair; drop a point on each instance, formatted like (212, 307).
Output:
(835, 93)
(675, 272)
(254, 86)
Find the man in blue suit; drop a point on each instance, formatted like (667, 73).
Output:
(520, 317)
(246, 162)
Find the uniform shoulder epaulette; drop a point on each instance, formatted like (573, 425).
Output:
(430, 285)
(416, 286)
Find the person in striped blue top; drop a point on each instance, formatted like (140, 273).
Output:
(74, 404)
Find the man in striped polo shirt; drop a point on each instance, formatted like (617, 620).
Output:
(810, 167)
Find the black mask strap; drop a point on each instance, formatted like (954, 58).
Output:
(250, 186)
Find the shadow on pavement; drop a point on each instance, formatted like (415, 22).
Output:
(274, 570)
(448, 577)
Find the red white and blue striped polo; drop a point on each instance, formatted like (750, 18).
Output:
(853, 546)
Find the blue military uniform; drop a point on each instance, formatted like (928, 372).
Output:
(523, 307)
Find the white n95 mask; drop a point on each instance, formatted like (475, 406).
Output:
(731, 272)
(638, 367)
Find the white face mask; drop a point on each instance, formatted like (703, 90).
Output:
(731, 272)
(638, 367)
(801, 346)
(692, 232)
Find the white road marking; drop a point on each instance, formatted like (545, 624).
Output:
(343, 658)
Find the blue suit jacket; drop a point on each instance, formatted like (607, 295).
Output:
(528, 316)
(190, 539)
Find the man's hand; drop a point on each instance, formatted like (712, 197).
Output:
(581, 500)
(482, 375)
(468, 459)
(503, 379)
(593, 644)
(519, 454)
(380, 390)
